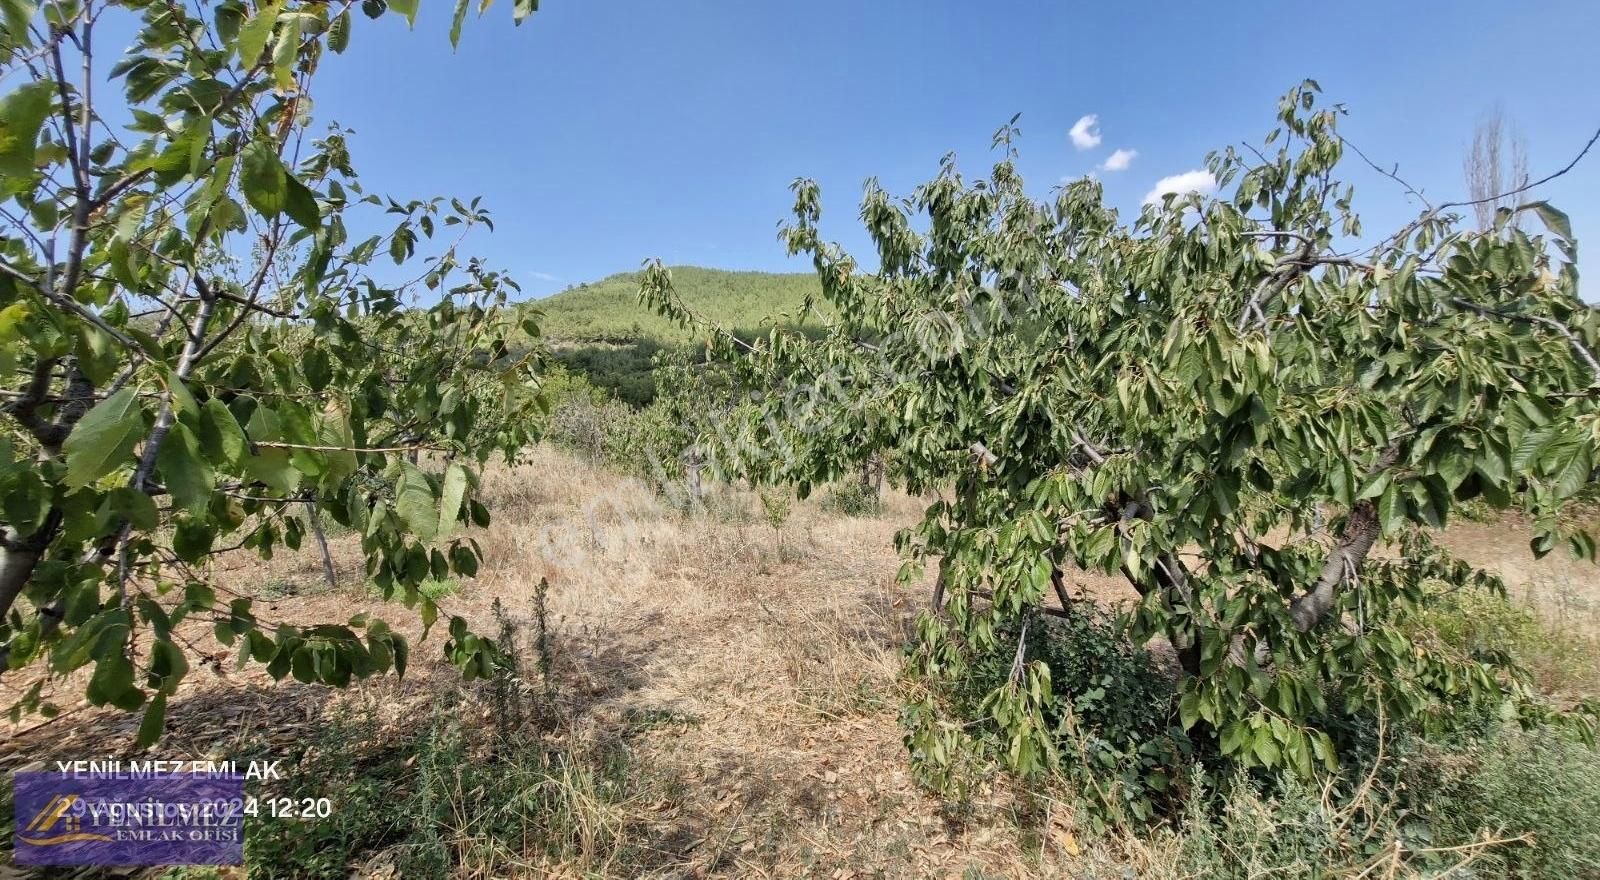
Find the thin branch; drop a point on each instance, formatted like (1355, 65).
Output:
(1393, 174)
(414, 447)
(1527, 186)
(1432, 213)
(77, 309)
(80, 169)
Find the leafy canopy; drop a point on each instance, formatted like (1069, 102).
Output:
(202, 349)
(1230, 402)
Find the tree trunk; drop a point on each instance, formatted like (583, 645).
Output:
(329, 572)
(1361, 531)
(938, 587)
(1057, 580)
(692, 463)
(872, 475)
(17, 562)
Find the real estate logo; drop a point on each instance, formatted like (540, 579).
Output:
(56, 824)
(129, 819)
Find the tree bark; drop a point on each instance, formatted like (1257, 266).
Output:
(314, 520)
(17, 561)
(1360, 533)
(872, 475)
(1171, 578)
(1058, 581)
(692, 463)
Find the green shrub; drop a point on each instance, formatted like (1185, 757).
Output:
(624, 371)
(1516, 804)
(428, 589)
(522, 800)
(1113, 712)
(1542, 783)
(1477, 623)
(853, 499)
(730, 506)
(1248, 828)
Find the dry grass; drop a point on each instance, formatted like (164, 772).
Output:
(774, 673)
(755, 689)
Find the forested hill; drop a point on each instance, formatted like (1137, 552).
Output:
(609, 311)
(601, 332)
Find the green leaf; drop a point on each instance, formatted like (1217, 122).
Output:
(464, 560)
(221, 438)
(103, 438)
(263, 179)
(136, 507)
(25, 501)
(1454, 467)
(168, 666)
(228, 18)
(1570, 466)
(1492, 465)
(153, 723)
(11, 318)
(22, 114)
(303, 665)
(182, 400)
(454, 490)
(1554, 220)
(414, 502)
(112, 681)
(402, 652)
(339, 33)
(1265, 747)
(523, 9)
(17, 15)
(407, 8)
(456, 21)
(301, 204)
(1189, 709)
(286, 54)
(254, 34)
(1391, 510)
(184, 471)
(318, 369)
(1375, 485)
(273, 467)
(1527, 453)
(192, 539)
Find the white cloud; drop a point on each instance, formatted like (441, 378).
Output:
(1119, 160)
(1188, 182)
(543, 276)
(1086, 132)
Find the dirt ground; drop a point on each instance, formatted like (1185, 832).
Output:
(753, 670)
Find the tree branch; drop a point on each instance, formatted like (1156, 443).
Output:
(1360, 533)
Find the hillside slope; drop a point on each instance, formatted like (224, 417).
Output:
(609, 310)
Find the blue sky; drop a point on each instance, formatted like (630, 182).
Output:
(604, 132)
